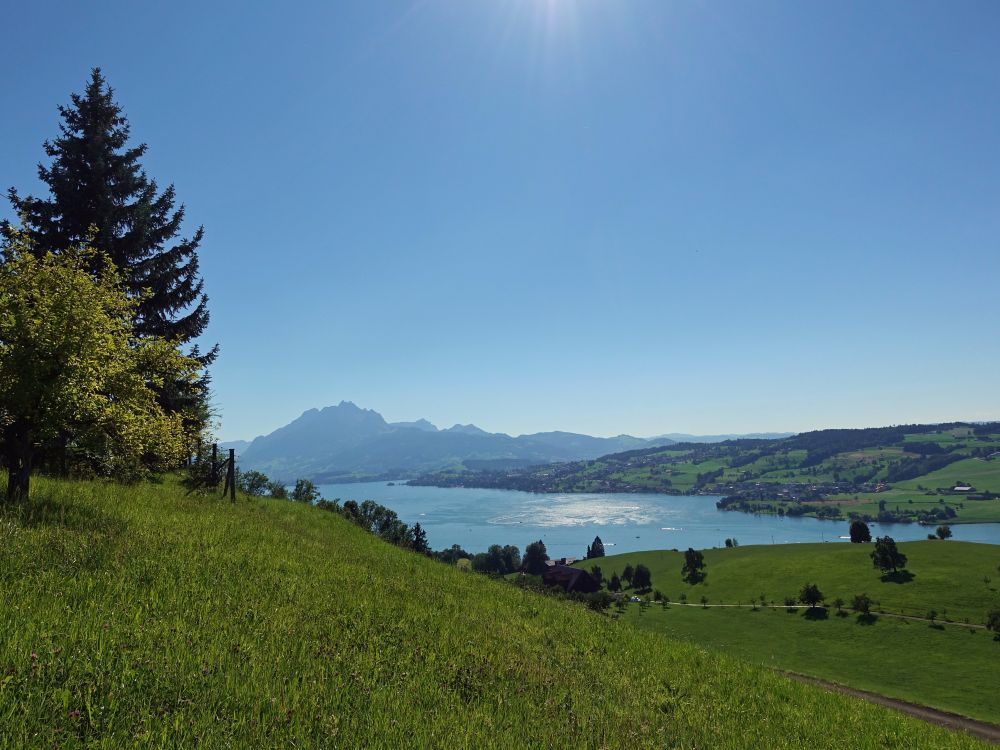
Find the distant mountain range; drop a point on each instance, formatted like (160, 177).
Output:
(347, 443)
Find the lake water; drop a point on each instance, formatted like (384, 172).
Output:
(567, 523)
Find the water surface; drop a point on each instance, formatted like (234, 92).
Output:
(567, 523)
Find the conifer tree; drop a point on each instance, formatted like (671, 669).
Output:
(100, 195)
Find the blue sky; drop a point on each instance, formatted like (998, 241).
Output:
(604, 216)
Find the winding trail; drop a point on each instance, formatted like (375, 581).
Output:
(980, 729)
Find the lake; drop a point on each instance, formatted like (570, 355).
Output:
(567, 523)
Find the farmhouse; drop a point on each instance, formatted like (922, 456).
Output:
(570, 579)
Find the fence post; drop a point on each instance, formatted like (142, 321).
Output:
(231, 474)
(215, 464)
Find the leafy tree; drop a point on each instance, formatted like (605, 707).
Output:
(419, 543)
(305, 491)
(452, 555)
(811, 595)
(100, 194)
(886, 557)
(642, 579)
(595, 571)
(628, 574)
(860, 533)
(277, 490)
(253, 483)
(993, 622)
(596, 549)
(72, 374)
(862, 604)
(615, 584)
(839, 604)
(535, 556)
(693, 569)
(943, 532)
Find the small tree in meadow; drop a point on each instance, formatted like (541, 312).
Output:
(886, 556)
(693, 569)
(642, 579)
(628, 574)
(811, 595)
(615, 584)
(943, 532)
(862, 604)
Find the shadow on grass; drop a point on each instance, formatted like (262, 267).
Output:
(42, 510)
(867, 619)
(842, 613)
(899, 576)
(816, 613)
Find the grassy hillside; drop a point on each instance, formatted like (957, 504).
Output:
(945, 666)
(140, 617)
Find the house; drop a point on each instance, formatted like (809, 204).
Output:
(570, 579)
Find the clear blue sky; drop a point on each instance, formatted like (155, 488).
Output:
(604, 216)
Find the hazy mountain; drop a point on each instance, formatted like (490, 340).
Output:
(238, 445)
(680, 437)
(420, 424)
(345, 441)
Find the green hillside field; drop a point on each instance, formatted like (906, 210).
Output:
(945, 665)
(137, 616)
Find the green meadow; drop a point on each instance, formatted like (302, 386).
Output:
(945, 665)
(142, 617)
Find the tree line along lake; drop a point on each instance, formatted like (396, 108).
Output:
(476, 518)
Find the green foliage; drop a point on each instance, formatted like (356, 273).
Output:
(993, 622)
(886, 556)
(641, 578)
(810, 595)
(99, 194)
(943, 532)
(535, 556)
(615, 583)
(73, 377)
(596, 549)
(499, 560)
(860, 533)
(305, 491)
(693, 570)
(628, 574)
(253, 483)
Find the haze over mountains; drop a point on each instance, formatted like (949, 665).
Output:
(345, 443)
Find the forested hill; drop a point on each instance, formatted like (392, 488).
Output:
(940, 465)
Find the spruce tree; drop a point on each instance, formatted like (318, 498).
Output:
(100, 195)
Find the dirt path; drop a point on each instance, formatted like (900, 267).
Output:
(875, 612)
(980, 729)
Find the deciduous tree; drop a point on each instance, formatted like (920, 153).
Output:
(860, 533)
(886, 556)
(73, 376)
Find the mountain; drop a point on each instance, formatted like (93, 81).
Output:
(681, 437)
(238, 445)
(345, 442)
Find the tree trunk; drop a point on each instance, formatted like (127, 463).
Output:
(19, 455)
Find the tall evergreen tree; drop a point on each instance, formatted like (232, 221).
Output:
(100, 195)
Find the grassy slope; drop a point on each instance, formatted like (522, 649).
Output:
(951, 668)
(946, 575)
(140, 617)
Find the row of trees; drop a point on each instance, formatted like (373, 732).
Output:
(101, 306)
